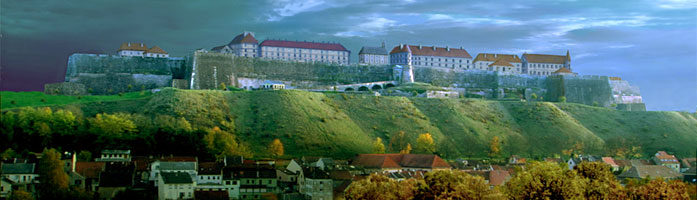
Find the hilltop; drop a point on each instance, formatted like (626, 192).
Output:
(342, 125)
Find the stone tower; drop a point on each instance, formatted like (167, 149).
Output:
(407, 74)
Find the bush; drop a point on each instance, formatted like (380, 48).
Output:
(562, 99)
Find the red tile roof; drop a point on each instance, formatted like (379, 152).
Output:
(493, 57)
(400, 160)
(209, 168)
(429, 51)
(666, 158)
(244, 38)
(562, 70)
(156, 49)
(304, 45)
(89, 169)
(501, 62)
(132, 46)
(610, 161)
(543, 58)
(498, 177)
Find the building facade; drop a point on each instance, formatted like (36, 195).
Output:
(308, 52)
(373, 56)
(175, 185)
(435, 57)
(502, 63)
(244, 45)
(141, 50)
(545, 65)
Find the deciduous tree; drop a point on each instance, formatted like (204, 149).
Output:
(600, 182)
(495, 146)
(380, 187)
(20, 195)
(425, 144)
(221, 144)
(398, 141)
(276, 148)
(54, 180)
(446, 184)
(545, 180)
(378, 146)
(406, 150)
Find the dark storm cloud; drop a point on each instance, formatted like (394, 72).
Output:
(650, 43)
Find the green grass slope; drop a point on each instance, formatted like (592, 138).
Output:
(341, 125)
(11, 100)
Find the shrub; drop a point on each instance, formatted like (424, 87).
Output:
(562, 99)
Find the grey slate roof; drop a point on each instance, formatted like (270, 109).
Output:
(17, 168)
(176, 177)
(178, 166)
(654, 171)
(373, 50)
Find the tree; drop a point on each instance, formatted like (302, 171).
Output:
(447, 184)
(85, 156)
(495, 146)
(545, 180)
(601, 183)
(276, 148)
(380, 187)
(406, 150)
(562, 99)
(425, 144)
(54, 180)
(222, 86)
(658, 189)
(533, 96)
(112, 125)
(398, 141)
(221, 144)
(20, 195)
(8, 153)
(378, 146)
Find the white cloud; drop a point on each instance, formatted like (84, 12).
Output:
(287, 8)
(440, 17)
(375, 26)
(621, 46)
(676, 4)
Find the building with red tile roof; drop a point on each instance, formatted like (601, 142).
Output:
(436, 57)
(668, 160)
(141, 50)
(543, 64)
(244, 45)
(396, 162)
(304, 51)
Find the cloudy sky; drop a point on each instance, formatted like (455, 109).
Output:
(651, 43)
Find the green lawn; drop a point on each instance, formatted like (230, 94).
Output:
(12, 100)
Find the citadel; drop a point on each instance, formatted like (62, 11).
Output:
(247, 63)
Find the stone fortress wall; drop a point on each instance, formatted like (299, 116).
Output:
(107, 74)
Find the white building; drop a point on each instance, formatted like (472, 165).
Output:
(373, 56)
(502, 63)
(436, 57)
(115, 156)
(175, 185)
(141, 50)
(545, 65)
(244, 45)
(159, 167)
(315, 184)
(5, 187)
(309, 52)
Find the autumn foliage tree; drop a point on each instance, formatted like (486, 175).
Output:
(380, 187)
(495, 146)
(406, 150)
(276, 148)
(658, 189)
(447, 184)
(54, 180)
(221, 143)
(378, 146)
(545, 180)
(398, 141)
(600, 182)
(425, 144)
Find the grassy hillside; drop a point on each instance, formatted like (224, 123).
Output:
(12, 100)
(342, 125)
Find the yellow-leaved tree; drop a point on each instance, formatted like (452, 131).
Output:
(425, 144)
(378, 146)
(276, 148)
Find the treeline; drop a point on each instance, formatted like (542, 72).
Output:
(33, 129)
(538, 180)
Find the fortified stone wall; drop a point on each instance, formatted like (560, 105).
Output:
(208, 69)
(110, 74)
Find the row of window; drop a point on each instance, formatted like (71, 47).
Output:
(535, 65)
(298, 50)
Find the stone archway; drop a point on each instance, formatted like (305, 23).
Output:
(376, 87)
(348, 89)
(389, 85)
(363, 88)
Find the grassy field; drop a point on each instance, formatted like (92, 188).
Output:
(12, 100)
(342, 125)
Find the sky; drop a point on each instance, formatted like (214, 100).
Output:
(650, 43)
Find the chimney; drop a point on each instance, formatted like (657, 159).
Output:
(383, 44)
(460, 47)
(73, 161)
(434, 48)
(129, 44)
(420, 46)
(447, 48)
